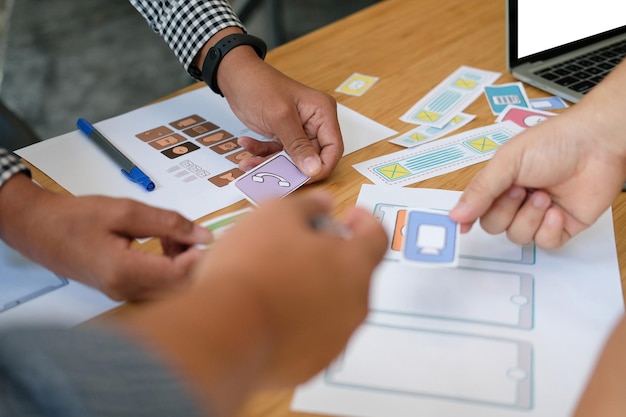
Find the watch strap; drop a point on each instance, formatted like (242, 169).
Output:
(219, 50)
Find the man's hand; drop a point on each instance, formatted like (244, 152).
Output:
(89, 239)
(555, 179)
(272, 302)
(299, 119)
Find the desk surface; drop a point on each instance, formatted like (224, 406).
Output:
(411, 46)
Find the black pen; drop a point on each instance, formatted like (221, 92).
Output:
(129, 168)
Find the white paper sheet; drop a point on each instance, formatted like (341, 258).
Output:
(512, 331)
(182, 183)
(359, 131)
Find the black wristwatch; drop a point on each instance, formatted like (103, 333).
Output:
(219, 51)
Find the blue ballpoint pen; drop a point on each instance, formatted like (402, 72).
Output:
(129, 169)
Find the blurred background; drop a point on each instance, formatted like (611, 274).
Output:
(64, 59)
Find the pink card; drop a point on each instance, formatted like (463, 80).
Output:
(523, 116)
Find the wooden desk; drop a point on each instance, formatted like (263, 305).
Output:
(411, 45)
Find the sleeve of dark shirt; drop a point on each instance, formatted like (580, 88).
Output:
(85, 373)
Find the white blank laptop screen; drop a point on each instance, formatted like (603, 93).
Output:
(545, 24)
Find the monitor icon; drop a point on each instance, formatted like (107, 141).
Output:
(431, 239)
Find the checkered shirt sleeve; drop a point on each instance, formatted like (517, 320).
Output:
(9, 166)
(186, 25)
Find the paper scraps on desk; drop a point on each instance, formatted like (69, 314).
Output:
(439, 157)
(359, 131)
(548, 103)
(357, 84)
(272, 180)
(218, 226)
(450, 97)
(500, 96)
(522, 116)
(492, 337)
(424, 134)
(187, 145)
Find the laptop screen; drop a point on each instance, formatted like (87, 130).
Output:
(537, 26)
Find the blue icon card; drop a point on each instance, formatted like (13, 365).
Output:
(431, 237)
(500, 96)
(548, 103)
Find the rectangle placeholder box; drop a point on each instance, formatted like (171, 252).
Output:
(461, 294)
(460, 367)
(393, 219)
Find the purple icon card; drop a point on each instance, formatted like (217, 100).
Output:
(272, 180)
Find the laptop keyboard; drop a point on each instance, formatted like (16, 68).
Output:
(582, 73)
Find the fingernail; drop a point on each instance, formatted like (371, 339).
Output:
(552, 219)
(459, 209)
(311, 165)
(517, 193)
(202, 234)
(540, 200)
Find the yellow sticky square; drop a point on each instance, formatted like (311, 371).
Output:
(482, 145)
(417, 137)
(465, 83)
(393, 171)
(427, 116)
(357, 84)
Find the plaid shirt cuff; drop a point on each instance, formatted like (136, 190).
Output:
(186, 25)
(9, 166)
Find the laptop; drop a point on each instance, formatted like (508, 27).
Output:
(565, 47)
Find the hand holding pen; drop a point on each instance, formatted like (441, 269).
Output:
(299, 276)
